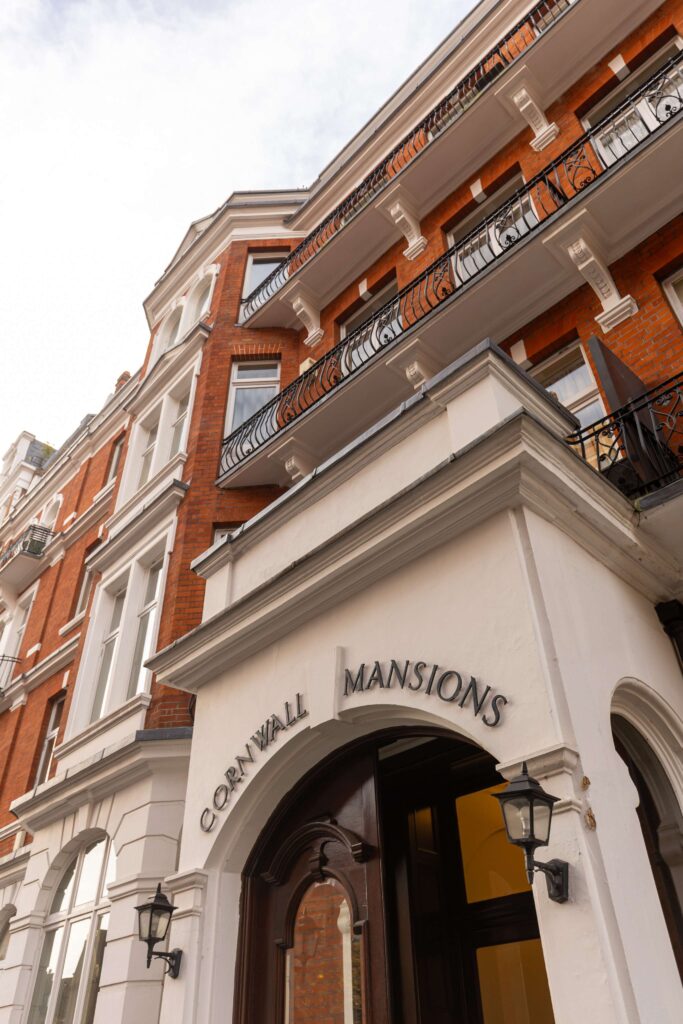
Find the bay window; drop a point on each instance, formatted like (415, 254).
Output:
(145, 630)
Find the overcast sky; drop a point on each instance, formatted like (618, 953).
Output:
(124, 120)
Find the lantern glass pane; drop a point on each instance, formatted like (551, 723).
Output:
(542, 815)
(160, 923)
(144, 918)
(517, 813)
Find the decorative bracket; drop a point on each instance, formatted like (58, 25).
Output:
(544, 131)
(399, 208)
(307, 312)
(520, 94)
(316, 835)
(416, 362)
(296, 459)
(616, 308)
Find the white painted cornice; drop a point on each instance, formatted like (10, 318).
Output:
(118, 766)
(43, 670)
(147, 518)
(129, 709)
(170, 364)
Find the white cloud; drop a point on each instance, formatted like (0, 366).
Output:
(124, 120)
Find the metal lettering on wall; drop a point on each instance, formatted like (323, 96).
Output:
(430, 681)
(262, 738)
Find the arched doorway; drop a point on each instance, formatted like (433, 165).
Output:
(661, 822)
(383, 890)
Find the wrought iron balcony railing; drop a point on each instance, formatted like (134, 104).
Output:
(32, 542)
(6, 670)
(656, 103)
(460, 98)
(640, 446)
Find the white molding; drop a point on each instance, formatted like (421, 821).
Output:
(72, 623)
(148, 518)
(128, 709)
(520, 93)
(43, 670)
(306, 309)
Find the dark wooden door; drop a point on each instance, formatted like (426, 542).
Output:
(313, 943)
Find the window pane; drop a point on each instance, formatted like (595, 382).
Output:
(103, 677)
(45, 759)
(492, 867)
(152, 582)
(248, 401)
(140, 654)
(259, 269)
(84, 592)
(46, 976)
(256, 371)
(95, 972)
(90, 874)
(63, 893)
(72, 970)
(589, 413)
(513, 984)
(370, 307)
(110, 870)
(568, 383)
(116, 610)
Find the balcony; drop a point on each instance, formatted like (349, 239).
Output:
(431, 160)
(20, 563)
(7, 666)
(474, 287)
(639, 448)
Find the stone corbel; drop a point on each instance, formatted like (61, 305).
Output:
(520, 95)
(399, 208)
(544, 131)
(579, 244)
(295, 458)
(615, 307)
(307, 312)
(416, 362)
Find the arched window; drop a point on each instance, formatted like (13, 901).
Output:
(661, 821)
(6, 915)
(198, 303)
(68, 976)
(170, 329)
(49, 518)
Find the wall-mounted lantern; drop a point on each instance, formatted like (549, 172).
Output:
(527, 812)
(154, 917)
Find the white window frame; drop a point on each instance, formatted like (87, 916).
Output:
(583, 398)
(675, 301)
(50, 738)
(261, 256)
(181, 419)
(64, 921)
(148, 613)
(634, 121)
(115, 459)
(16, 623)
(83, 593)
(243, 384)
(193, 312)
(116, 596)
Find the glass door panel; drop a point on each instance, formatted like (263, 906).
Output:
(513, 984)
(491, 866)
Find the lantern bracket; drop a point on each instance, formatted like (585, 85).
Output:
(556, 875)
(172, 959)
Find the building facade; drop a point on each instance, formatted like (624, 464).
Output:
(391, 512)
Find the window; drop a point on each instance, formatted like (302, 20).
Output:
(68, 975)
(570, 379)
(83, 592)
(107, 653)
(21, 618)
(673, 289)
(170, 329)
(148, 452)
(251, 386)
(178, 433)
(500, 221)
(636, 120)
(115, 459)
(53, 723)
(145, 631)
(259, 267)
(199, 300)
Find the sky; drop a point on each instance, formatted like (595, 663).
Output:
(124, 120)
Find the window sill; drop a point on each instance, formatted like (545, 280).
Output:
(72, 623)
(139, 702)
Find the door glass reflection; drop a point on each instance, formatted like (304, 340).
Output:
(323, 975)
(492, 867)
(513, 984)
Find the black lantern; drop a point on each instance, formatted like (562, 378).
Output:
(154, 917)
(527, 812)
